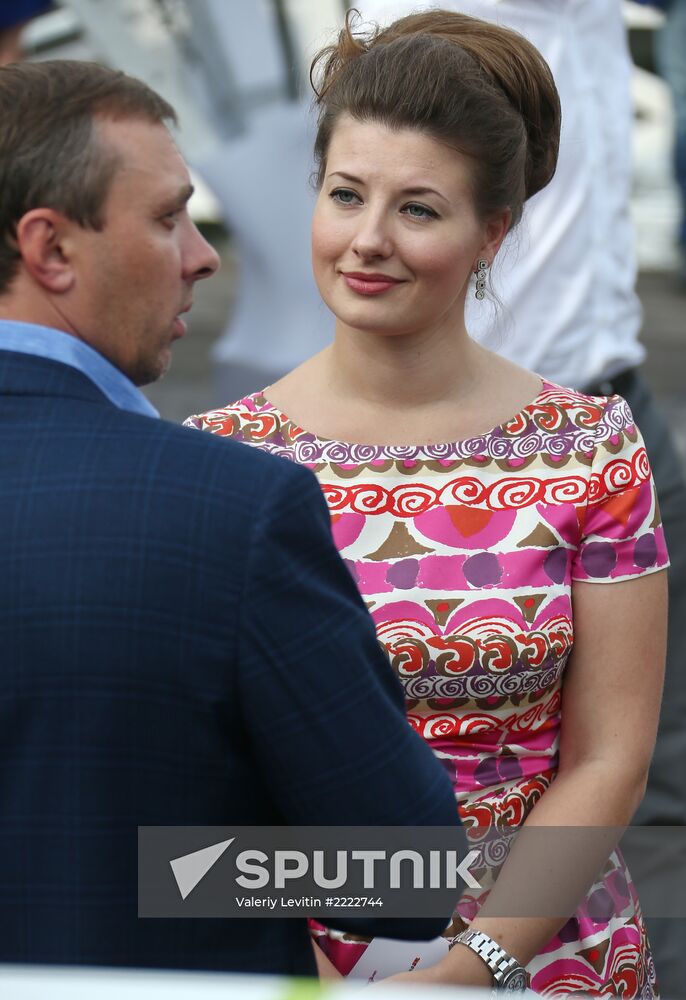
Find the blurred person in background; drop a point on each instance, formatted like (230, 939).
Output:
(277, 317)
(476, 504)
(671, 59)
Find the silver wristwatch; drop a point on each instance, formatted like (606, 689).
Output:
(507, 973)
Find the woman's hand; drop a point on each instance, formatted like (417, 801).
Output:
(464, 969)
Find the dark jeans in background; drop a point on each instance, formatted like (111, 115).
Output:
(665, 800)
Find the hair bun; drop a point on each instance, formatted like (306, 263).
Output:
(482, 89)
(515, 65)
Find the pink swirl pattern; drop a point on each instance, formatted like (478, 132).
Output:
(466, 553)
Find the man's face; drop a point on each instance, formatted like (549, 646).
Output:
(135, 276)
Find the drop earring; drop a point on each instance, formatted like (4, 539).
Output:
(481, 275)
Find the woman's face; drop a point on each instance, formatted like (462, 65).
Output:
(395, 235)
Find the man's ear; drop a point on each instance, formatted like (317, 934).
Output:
(43, 239)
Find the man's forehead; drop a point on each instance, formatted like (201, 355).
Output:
(145, 150)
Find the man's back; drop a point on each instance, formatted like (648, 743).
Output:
(170, 612)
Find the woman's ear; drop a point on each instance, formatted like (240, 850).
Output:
(43, 240)
(495, 231)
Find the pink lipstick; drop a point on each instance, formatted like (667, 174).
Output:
(369, 284)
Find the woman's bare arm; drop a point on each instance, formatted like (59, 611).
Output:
(610, 710)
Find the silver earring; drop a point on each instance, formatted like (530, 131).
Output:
(481, 275)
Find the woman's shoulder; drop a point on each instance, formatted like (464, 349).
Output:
(554, 410)
(249, 418)
(601, 415)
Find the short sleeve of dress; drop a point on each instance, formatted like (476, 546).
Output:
(621, 530)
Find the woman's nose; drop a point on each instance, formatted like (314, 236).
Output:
(373, 238)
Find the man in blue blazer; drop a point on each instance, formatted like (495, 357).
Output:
(180, 643)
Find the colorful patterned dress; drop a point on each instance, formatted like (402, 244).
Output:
(465, 554)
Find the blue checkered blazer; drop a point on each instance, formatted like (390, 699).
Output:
(180, 643)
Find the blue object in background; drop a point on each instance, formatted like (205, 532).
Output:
(14, 12)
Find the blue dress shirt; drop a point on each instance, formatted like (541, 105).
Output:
(44, 342)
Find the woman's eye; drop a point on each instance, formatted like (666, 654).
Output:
(344, 196)
(420, 211)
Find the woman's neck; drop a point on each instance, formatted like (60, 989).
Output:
(371, 389)
(409, 370)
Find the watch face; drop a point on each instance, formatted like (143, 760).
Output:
(516, 981)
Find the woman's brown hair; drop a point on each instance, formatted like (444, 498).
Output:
(480, 88)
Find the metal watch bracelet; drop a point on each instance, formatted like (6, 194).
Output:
(507, 973)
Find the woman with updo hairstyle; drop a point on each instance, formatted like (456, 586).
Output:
(502, 530)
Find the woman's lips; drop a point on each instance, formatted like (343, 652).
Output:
(372, 284)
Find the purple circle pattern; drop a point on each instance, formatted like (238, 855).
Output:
(599, 559)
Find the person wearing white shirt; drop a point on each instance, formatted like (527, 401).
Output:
(671, 59)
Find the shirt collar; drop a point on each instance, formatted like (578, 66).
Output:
(45, 342)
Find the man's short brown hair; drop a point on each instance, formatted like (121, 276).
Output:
(50, 156)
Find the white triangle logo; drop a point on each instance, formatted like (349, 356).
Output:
(189, 869)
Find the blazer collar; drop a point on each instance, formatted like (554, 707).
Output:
(48, 344)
